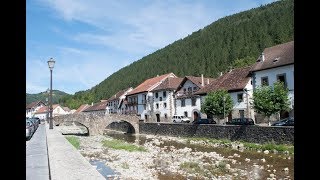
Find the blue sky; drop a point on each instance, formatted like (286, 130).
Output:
(91, 39)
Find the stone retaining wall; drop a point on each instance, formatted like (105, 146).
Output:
(254, 134)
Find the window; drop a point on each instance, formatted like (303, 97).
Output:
(282, 78)
(164, 105)
(165, 116)
(160, 98)
(144, 106)
(194, 88)
(184, 90)
(157, 106)
(189, 89)
(186, 114)
(264, 81)
(183, 103)
(240, 97)
(164, 94)
(156, 94)
(193, 101)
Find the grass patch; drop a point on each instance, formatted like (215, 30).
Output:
(74, 141)
(125, 165)
(250, 146)
(118, 144)
(191, 166)
(270, 146)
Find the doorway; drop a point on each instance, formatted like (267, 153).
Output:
(158, 117)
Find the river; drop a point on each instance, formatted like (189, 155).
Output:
(179, 158)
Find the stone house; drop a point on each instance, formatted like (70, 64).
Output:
(33, 107)
(99, 109)
(163, 107)
(116, 103)
(140, 99)
(276, 63)
(188, 103)
(239, 85)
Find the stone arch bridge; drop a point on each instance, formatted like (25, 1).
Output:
(97, 124)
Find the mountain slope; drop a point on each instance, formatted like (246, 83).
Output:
(56, 96)
(207, 51)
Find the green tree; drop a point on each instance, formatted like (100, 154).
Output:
(243, 62)
(217, 103)
(270, 100)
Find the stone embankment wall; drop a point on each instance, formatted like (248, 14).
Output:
(254, 134)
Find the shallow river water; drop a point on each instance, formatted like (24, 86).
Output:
(272, 163)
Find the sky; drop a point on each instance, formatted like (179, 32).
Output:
(92, 39)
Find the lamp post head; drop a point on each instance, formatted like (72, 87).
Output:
(51, 63)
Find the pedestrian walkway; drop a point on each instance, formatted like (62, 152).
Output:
(66, 162)
(37, 167)
(49, 156)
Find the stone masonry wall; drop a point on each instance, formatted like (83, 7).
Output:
(254, 134)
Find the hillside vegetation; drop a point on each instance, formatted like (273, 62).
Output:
(56, 96)
(230, 41)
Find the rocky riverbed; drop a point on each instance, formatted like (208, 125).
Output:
(165, 159)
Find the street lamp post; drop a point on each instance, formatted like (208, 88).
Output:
(51, 65)
(47, 103)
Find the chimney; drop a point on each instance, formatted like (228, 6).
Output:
(220, 73)
(208, 81)
(202, 83)
(262, 56)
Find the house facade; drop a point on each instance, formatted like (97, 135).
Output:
(239, 86)
(276, 63)
(58, 110)
(140, 99)
(99, 109)
(187, 103)
(163, 107)
(116, 102)
(42, 113)
(33, 107)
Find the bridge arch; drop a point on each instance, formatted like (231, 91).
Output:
(96, 124)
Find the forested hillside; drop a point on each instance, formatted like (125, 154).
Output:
(56, 96)
(208, 51)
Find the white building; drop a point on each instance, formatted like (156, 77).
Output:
(238, 84)
(58, 110)
(186, 101)
(140, 99)
(42, 113)
(33, 107)
(116, 102)
(99, 108)
(276, 63)
(163, 99)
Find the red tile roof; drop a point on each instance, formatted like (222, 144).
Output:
(97, 106)
(235, 80)
(275, 56)
(150, 84)
(81, 108)
(170, 83)
(118, 94)
(43, 109)
(195, 80)
(33, 104)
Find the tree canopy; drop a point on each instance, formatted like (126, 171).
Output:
(217, 103)
(269, 100)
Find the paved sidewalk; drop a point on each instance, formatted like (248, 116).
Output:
(37, 167)
(66, 163)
